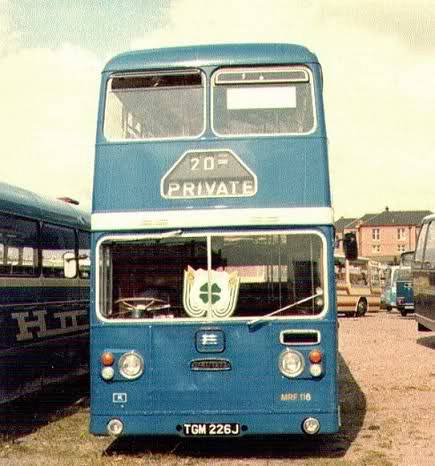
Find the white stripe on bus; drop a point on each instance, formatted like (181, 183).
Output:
(216, 217)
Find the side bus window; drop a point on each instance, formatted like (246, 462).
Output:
(419, 250)
(18, 246)
(429, 256)
(55, 242)
(84, 255)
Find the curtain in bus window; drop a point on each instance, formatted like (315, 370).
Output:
(56, 241)
(18, 246)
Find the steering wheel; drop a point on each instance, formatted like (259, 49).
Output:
(141, 304)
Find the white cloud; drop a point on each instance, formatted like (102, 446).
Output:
(377, 58)
(8, 36)
(49, 104)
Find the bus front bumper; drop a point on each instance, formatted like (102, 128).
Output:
(226, 425)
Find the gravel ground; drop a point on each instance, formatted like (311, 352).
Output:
(393, 367)
(387, 393)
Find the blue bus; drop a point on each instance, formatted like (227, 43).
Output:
(213, 297)
(44, 299)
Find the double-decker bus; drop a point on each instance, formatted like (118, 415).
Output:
(212, 237)
(44, 292)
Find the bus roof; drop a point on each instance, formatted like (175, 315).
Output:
(25, 203)
(209, 55)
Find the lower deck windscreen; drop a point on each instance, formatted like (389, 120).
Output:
(212, 277)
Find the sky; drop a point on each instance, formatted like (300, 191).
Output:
(377, 58)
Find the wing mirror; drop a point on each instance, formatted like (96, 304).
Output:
(69, 265)
(350, 246)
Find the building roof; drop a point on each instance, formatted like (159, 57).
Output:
(361, 220)
(348, 223)
(343, 223)
(398, 217)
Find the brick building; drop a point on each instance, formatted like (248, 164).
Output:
(383, 236)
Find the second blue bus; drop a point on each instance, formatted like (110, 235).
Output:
(44, 292)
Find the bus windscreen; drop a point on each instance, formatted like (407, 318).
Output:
(211, 277)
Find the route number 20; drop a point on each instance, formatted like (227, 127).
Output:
(202, 163)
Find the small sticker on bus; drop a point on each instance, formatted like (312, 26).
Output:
(119, 397)
(295, 396)
(261, 97)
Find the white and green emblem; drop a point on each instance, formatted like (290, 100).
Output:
(220, 302)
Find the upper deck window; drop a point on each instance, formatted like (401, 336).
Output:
(156, 105)
(263, 101)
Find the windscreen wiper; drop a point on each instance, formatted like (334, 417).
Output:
(285, 308)
(166, 234)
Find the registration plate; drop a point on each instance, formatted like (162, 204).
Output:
(215, 429)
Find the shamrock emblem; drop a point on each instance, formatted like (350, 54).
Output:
(215, 291)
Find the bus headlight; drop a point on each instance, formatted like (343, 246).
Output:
(291, 363)
(131, 365)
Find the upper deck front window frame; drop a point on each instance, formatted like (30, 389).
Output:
(145, 73)
(214, 82)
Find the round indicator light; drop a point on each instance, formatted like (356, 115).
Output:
(316, 370)
(315, 356)
(107, 359)
(107, 373)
